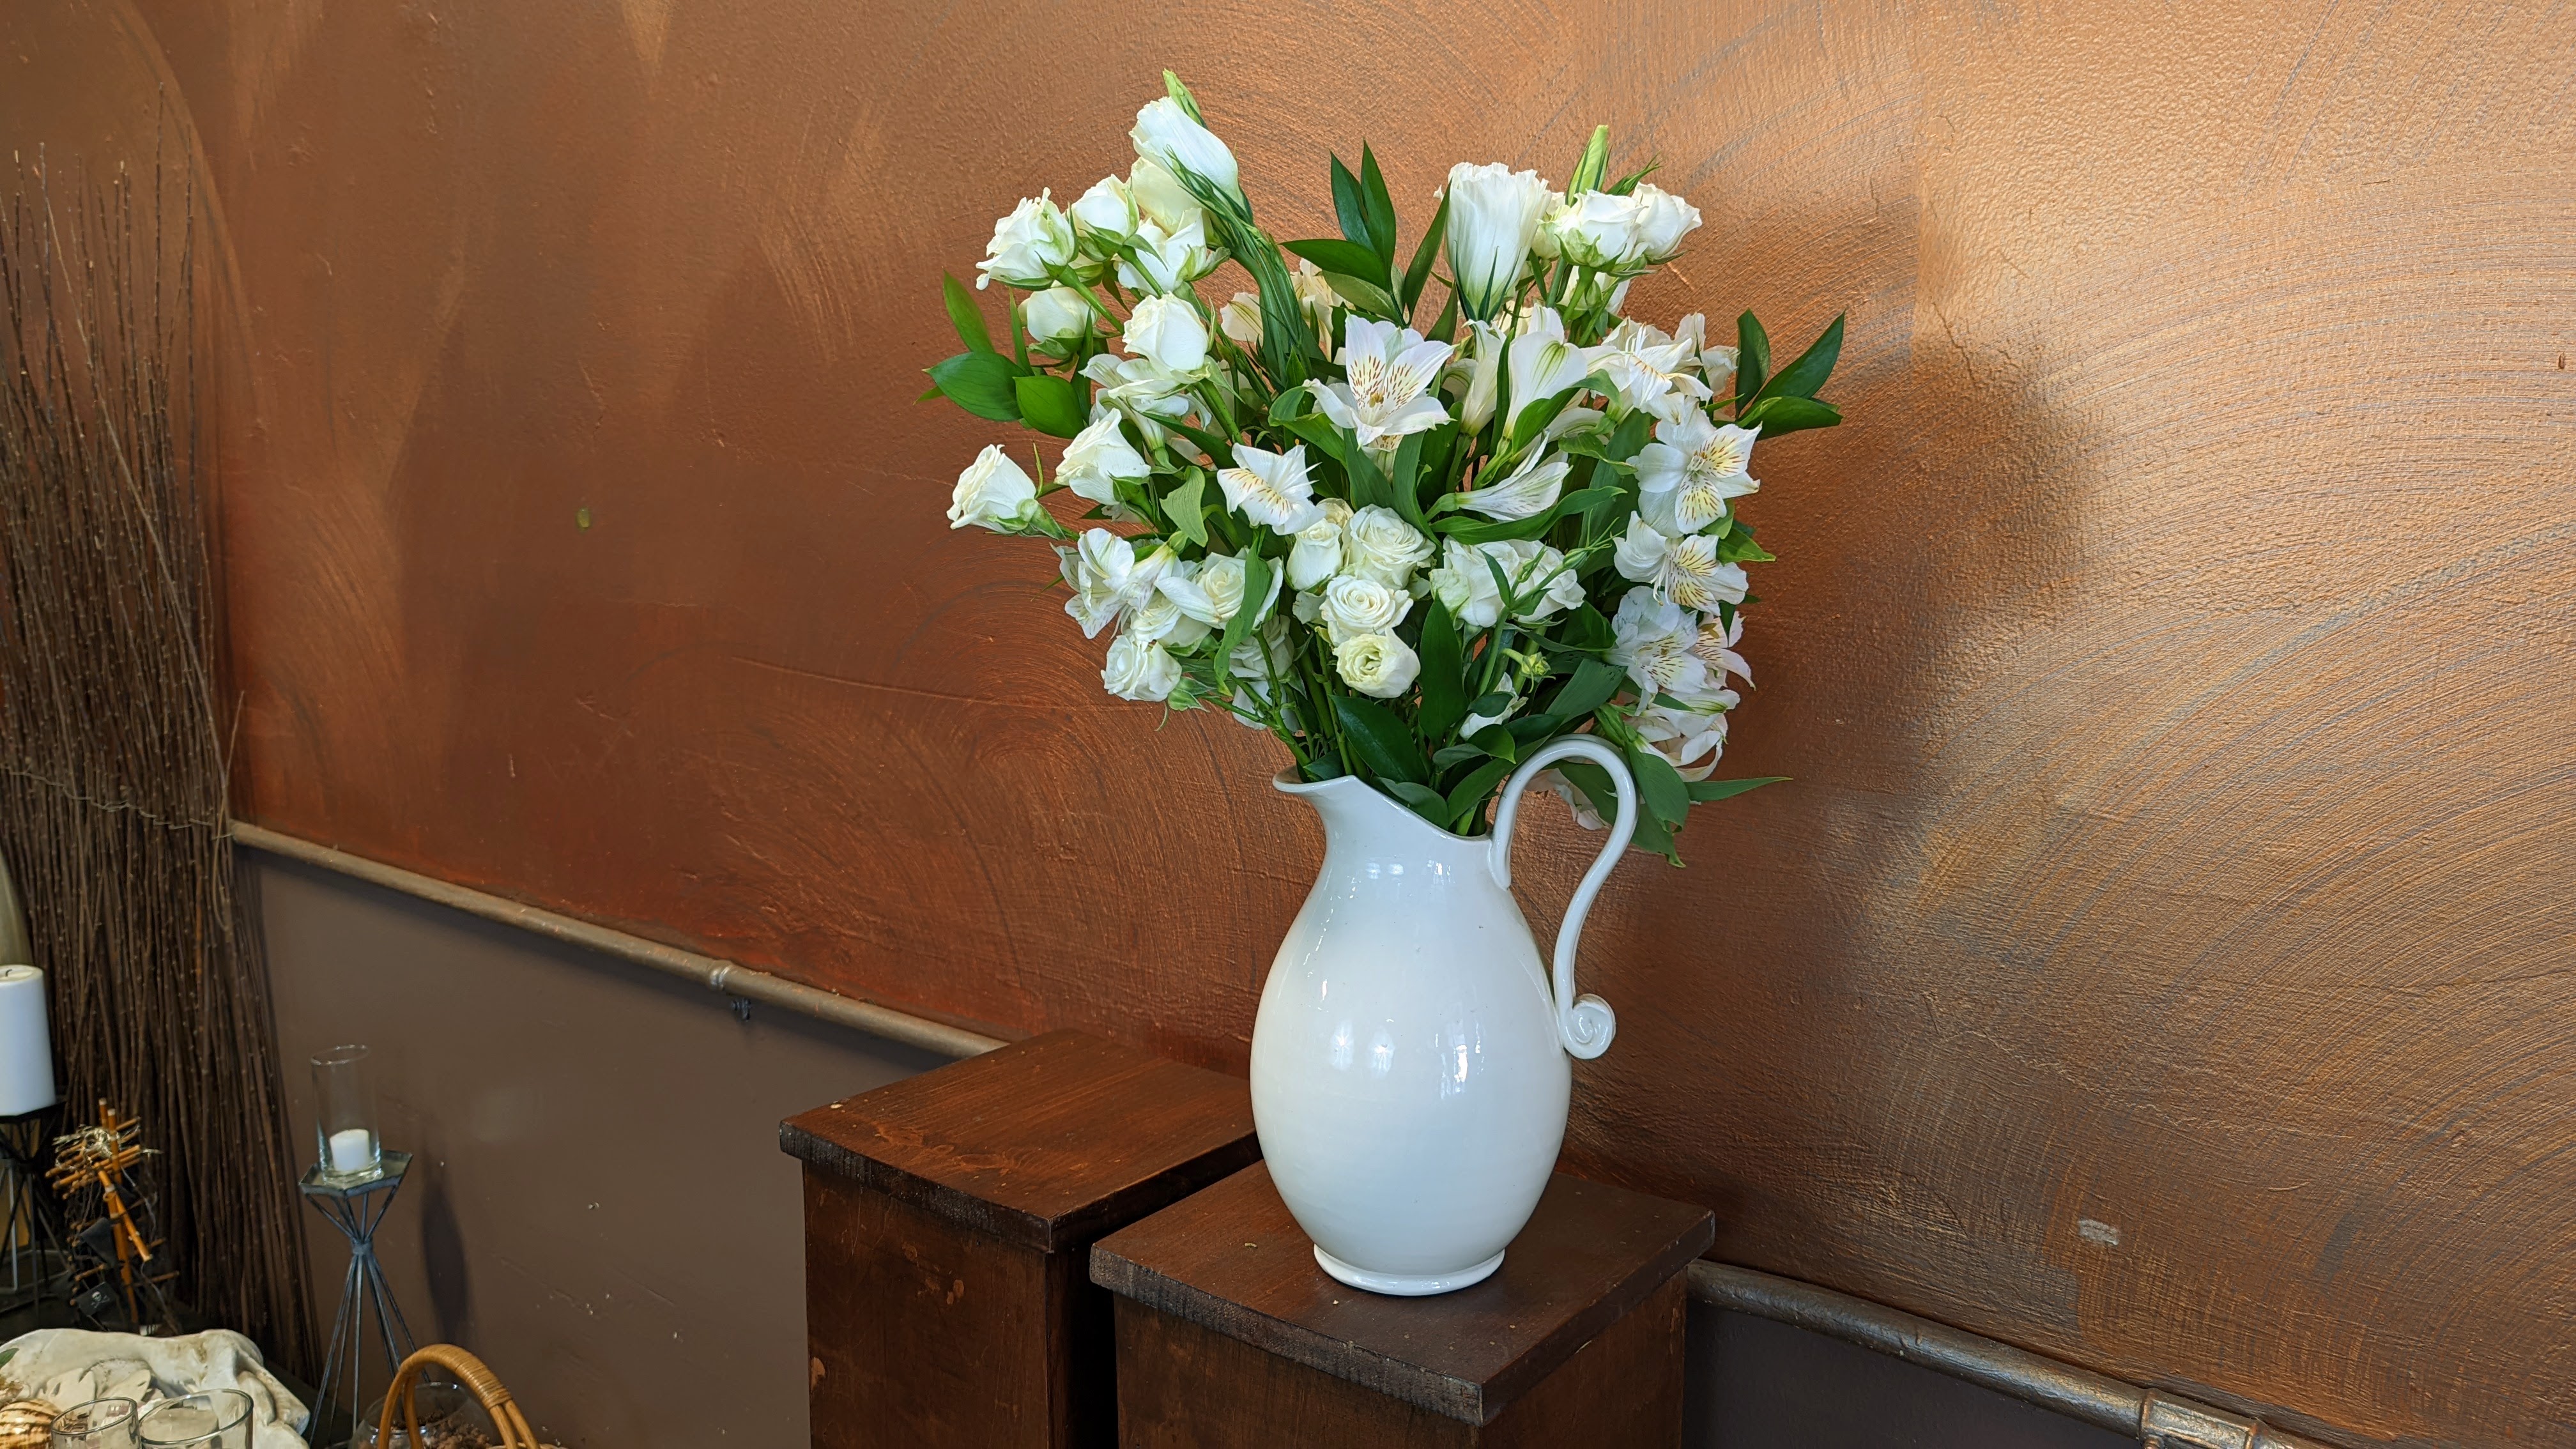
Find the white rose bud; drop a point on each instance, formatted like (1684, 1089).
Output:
(1595, 229)
(1377, 665)
(1032, 239)
(1057, 315)
(1161, 198)
(1106, 208)
(992, 493)
(1663, 219)
(1165, 135)
(1378, 544)
(1167, 332)
(1213, 591)
(1353, 605)
(1317, 554)
(1493, 218)
(1139, 669)
(1098, 459)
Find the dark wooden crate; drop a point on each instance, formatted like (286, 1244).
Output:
(1229, 1336)
(948, 1219)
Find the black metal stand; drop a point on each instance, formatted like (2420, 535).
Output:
(28, 1210)
(356, 1209)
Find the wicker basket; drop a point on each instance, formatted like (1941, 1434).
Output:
(478, 1381)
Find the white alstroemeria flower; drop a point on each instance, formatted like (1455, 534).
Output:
(1317, 554)
(1654, 640)
(1166, 135)
(1378, 544)
(1465, 586)
(1717, 640)
(1316, 295)
(1542, 363)
(1167, 332)
(1563, 789)
(1663, 219)
(1158, 618)
(1692, 739)
(1649, 370)
(1391, 370)
(1026, 244)
(1108, 579)
(1057, 315)
(1169, 262)
(1271, 489)
(993, 493)
(1240, 319)
(1107, 210)
(1530, 491)
(1493, 219)
(1380, 666)
(1136, 387)
(1595, 230)
(1099, 459)
(1354, 605)
(1482, 369)
(1139, 669)
(1686, 475)
(1682, 570)
(1717, 364)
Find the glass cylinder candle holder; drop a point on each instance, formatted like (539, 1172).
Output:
(98, 1424)
(218, 1420)
(344, 1116)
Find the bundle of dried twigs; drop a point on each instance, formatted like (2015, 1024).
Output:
(114, 735)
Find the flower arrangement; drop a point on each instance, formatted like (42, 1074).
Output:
(1413, 555)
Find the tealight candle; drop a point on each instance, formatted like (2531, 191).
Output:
(353, 1149)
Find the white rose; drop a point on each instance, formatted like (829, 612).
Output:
(1106, 208)
(1057, 314)
(1353, 605)
(1098, 460)
(1493, 218)
(1025, 244)
(1663, 219)
(1165, 135)
(1595, 230)
(1213, 592)
(1161, 198)
(1159, 619)
(993, 493)
(1167, 332)
(1377, 665)
(1378, 544)
(1317, 554)
(1139, 669)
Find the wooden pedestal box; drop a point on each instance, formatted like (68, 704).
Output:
(1229, 1336)
(948, 1223)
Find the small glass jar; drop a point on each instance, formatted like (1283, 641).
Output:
(98, 1424)
(344, 1117)
(217, 1420)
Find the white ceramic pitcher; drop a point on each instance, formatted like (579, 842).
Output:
(1409, 1062)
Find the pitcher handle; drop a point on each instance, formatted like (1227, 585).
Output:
(1584, 1024)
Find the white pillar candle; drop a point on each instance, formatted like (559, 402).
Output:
(26, 1050)
(353, 1149)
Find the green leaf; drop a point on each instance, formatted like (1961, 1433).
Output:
(1317, 432)
(1186, 509)
(1737, 546)
(1729, 789)
(1467, 528)
(1368, 485)
(1444, 669)
(1421, 799)
(1451, 756)
(1209, 443)
(1256, 589)
(1292, 403)
(1352, 258)
(1752, 358)
(1593, 684)
(965, 316)
(1492, 703)
(1627, 185)
(980, 382)
(1047, 403)
(1366, 295)
(1379, 738)
(1532, 729)
(1470, 792)
(1499, 742)
(1401, 476)
(1660, 787)
(1779, 414)
(1418, 275)
(1596, 159)
(1351, 210)
(1803, 377)
(1444, 328)
(1381, 211)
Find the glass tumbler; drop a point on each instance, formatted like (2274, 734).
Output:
(217, 1420)
(344, 1116)
(98, 1424)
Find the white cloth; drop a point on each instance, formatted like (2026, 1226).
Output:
(70, 1366)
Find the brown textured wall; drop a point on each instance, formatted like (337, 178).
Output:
(2173, 654)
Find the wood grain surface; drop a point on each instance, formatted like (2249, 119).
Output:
(2162, 958)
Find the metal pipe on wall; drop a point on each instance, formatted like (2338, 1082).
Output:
(2160, 1420)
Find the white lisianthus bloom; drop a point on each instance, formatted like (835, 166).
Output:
(1136, 387)
(1538, 575)
(1108, 579)
(1167, 332)
(1099, 459)
(1683, 570)
(1107, 210)
(1541, 363)
(1317, 554)
(1057, 315)
(1531, 490)
(993, 493)
(1139, 669)
(1168, 262)
(1391, 370)
(1165, 135)
(1493, 219)
(1240, 319)
(1717, 640)
(1380, 666)
(1595, 230)
(1692, 739)
(1656, 640)
(1663, 219)
(1161, 198)
(1158, 618)
(1686, 475)
(1378, 544)
(1316, 295)
(1271, 489)
(1649, 370)
(1026, 244)
(1212, 591)
(1354, 605)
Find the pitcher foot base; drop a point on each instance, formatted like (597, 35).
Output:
(1408, 1285)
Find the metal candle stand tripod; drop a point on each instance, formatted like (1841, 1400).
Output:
(356, 1209)
(28, 1210)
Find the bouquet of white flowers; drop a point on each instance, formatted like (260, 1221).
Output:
(1414, 556)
